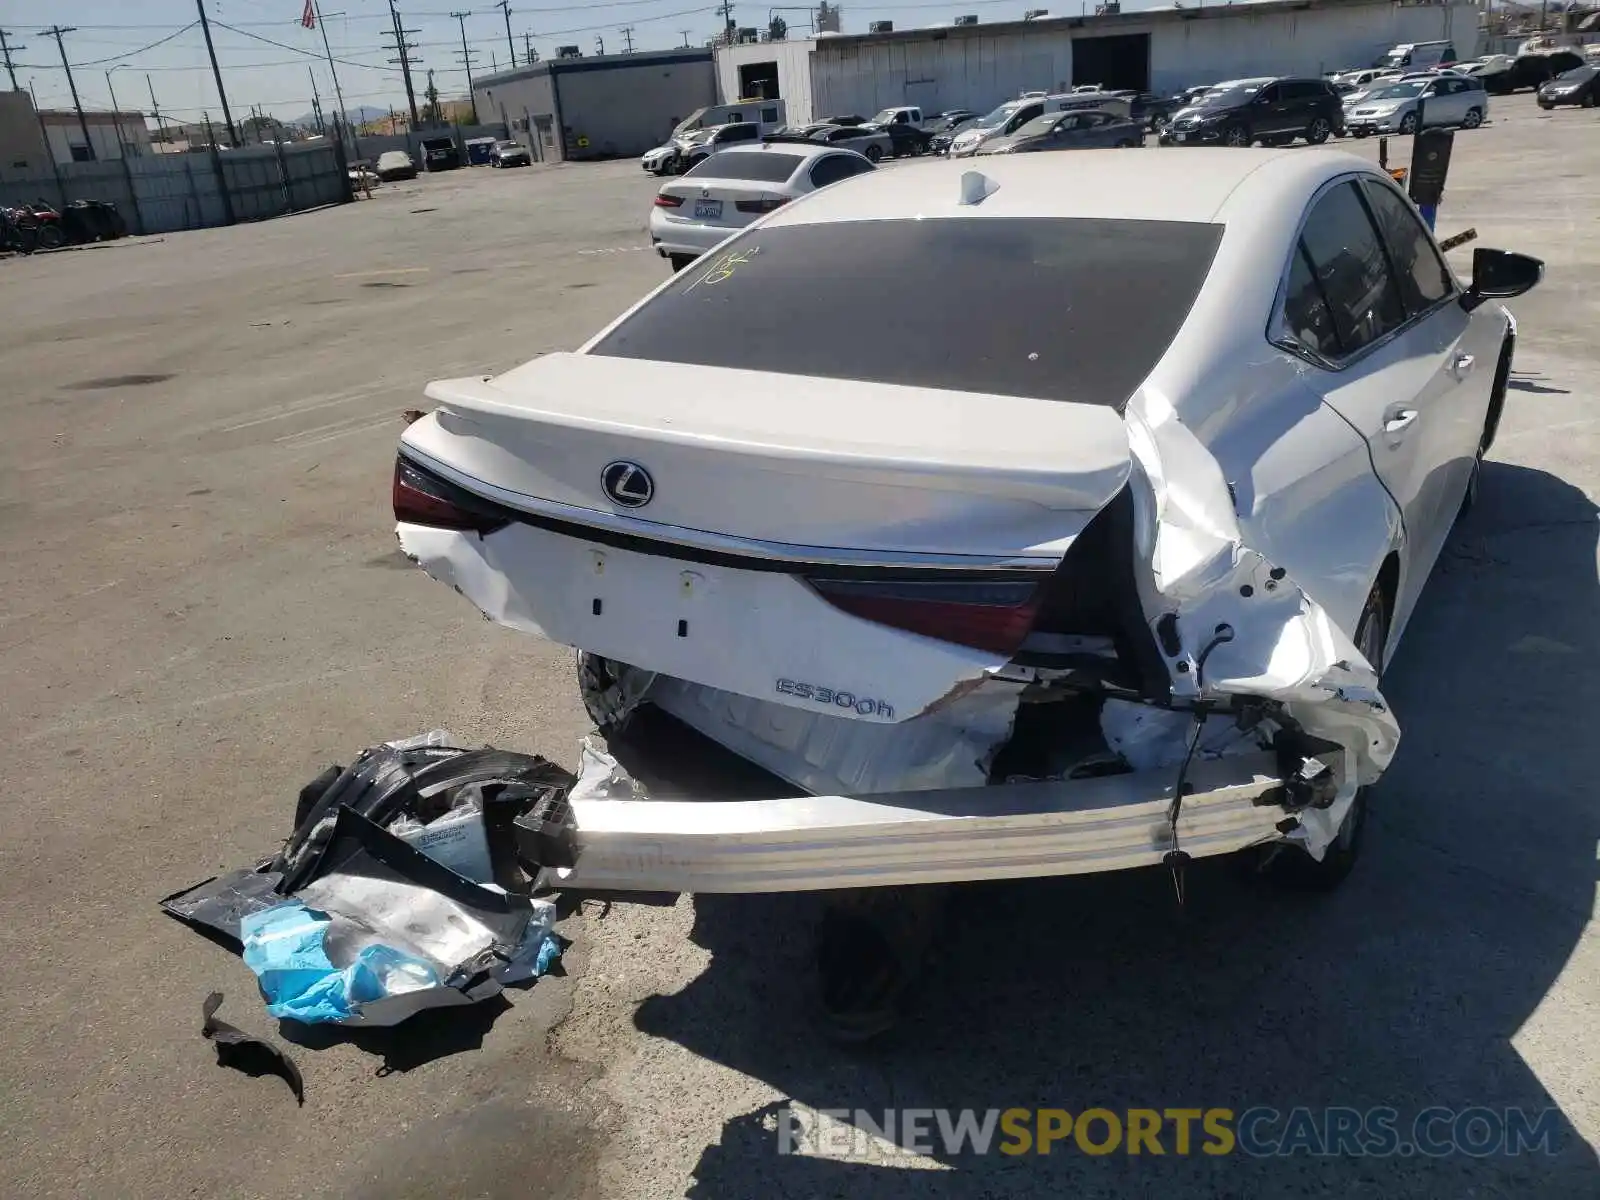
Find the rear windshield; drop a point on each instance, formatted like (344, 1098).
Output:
(1050, 308)
(760, 166)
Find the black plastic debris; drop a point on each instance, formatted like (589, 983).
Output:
(403, 886)
(217, 906)
(252, 1055)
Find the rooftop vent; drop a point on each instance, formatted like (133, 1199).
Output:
(881, 27)
(969, 19)
(1033, 14)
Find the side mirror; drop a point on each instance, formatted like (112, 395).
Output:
(1500, 275)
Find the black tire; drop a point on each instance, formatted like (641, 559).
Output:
(1319, 129)
(1473, 119)
(51, 238)
(1291, 867)
(870, 949)
(1236, 136)
(1360, 133)
(1408, 123)
(873, 153)
(1587, 101)
(679, 261)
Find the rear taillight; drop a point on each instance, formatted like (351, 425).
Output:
(665, 201)
(984, 614)
(421, 498)
(761, 206)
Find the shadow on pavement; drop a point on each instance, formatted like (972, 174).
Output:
(1403, 990)
(430, 1035)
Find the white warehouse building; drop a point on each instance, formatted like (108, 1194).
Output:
(979, 65)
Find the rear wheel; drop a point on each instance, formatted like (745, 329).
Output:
(1292, 867)
(1237, 135)
(50, 238)
(1473, 119)
(874, 153)
(1319, 129)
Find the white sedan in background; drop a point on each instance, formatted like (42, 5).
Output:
(735, 187)
(1089, 557)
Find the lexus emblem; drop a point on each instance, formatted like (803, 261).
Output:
(627, 484)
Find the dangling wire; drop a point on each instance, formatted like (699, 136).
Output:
(1176, 858)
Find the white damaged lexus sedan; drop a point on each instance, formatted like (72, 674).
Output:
(1090, 558)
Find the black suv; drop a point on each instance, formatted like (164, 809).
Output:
(1273, 113)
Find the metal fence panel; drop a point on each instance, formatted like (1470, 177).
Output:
(165, 193)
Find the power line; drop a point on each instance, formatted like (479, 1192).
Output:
(349, 62)
(556, 8)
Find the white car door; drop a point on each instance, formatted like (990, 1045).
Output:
(1389, 355)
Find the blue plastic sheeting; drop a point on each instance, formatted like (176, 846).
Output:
(284, 946)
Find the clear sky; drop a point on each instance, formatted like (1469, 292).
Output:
(114, 32)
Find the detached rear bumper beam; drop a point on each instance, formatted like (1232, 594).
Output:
(1013, 831)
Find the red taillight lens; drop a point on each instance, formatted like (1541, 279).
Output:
(761, 206)
(424, 499)
(986, 615)
(665, 201)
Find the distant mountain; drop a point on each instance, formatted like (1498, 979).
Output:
(359, 115)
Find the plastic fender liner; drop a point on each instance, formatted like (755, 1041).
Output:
(1285, 649)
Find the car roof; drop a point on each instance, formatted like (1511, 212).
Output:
(1192, 185)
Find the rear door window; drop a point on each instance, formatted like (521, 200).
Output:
(835, 167)
(1351, 266)
(1419, 270)
(1056, 309)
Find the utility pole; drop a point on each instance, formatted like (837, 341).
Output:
(155, 107)
(728, 27)
(627, 39)
(685, 33)
(316, 102)
(466, 60)
(601, 43)
(5, 52)
(56, 32)
(116, 112)
(216, 71)
(505, 7)
(404, 48)
(527, 45)
(338, 94)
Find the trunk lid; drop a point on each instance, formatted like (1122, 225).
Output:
(832, 545)
(796, 461)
